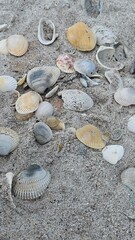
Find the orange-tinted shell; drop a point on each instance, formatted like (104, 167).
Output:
(81, 37)
(17, 45)
(90, 136)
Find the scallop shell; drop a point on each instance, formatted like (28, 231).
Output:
(131, 124)
(3, 47)
(9, 141)
(104, 35)
(113, 153)
(41, 78)
(17, 45)
(128, 178)
(76, 100)
(44, 110)
(105, 58)
(114, 79)
(81, 37)
(55, 123)
(125, 96)
(28, 103)
(65, 63)
(42, 132)
(85, 67)
(90, 136)
(7, 83)
(31, 182)
(50, 28)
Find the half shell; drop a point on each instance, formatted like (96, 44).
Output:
(125, 96)
(17, 45)
(131, 124)
(85, 67)
(128, 178)
(44, 110)
(65, 63)
(113, 153)
(7, 83)
(42, 132)
(31, 183)
(104, 35)
(3, 47)
(55, 123)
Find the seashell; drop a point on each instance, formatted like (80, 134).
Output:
(128, 178)
(52, 92)
(42, 132)
(132, 68)
(55, 123)
(131, 124)
(46, 32)
(17, 45)
(116, 134)
(81, 37)
(31, 182)
(44, 110)
(90, 136)
(3, 27)
(9, 141)
(76, 100)
(7, 83)
(65, 63)
(113, 153)
(104, 35)
(105, 58)
(22, 80)
(125, 96)
(23, 117)
(114, 79)
(3, 47)
(90, 82)
(83, 82)
(85, 67)
(41, 78)
(92, 7)
(28, 103)
(9, 179)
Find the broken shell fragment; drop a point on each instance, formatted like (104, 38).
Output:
(41, 78)
(113, 153)
(55, 123)
(42, 133)
(22, 80)
(114, 79)
(52, 92)
(31, 182)
(7, 83)
(65, 63)
(125, 96)
(131, 124)
(104, 35)
(3, 27)
(44, 110)
(85, 67)
(76, 100)
(81, 37)
(17, 45)
(128, 178)
(3, 47)
(132, 68)
(90, 136)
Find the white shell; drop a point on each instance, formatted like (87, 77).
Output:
(104, 35)
(113, 153)
(85, 67)
(76, 100)
(42, 133)
(131, 124)
(128, 178)
(3, 47)
(3, 27)
(125, 96)
(114, 79)
(44, 110)
(41, 33)
(7, 83)
(52, 92)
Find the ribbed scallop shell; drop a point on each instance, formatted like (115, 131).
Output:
(7, 83)
(128, 178)
(28, 102)
(65, 63)
(42, 133)
(44, 110)
(125, 96)
(17, 45)
(31, 183)
(85, 67)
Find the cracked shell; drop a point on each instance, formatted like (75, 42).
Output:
(17, 45)
(7, 83)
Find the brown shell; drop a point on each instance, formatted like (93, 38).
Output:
(17, 45)
(81, 37)
(55, 123)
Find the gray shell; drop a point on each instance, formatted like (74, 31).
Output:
(85, 67)
(128, 178)
(42, 132)
(31, 183)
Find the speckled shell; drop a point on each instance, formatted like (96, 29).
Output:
(128, 178)
(131, 124)
(90, 136)
(31, 183)
(113, 153)
(41, 78)
(55, 123)
(7, 83)
(76, 100)
(125, 96)
(28, 102)
(42, 133)
(17, 45)
(85, 67)
(81, 37)
(44, 110)
(65, 63)
(104, 35)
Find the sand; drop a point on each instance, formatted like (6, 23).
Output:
(85, 199)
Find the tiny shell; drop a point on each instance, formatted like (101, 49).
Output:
(125, 96)
(104, 35)
(85, 67)
(44, 110)
(41, 78)
(128, 178)
(114, 79)
(22, 80)
(81, 37)
(83, 82)
(65, 63)
(76, 100)
(3, 47)
(3, 27)
(42, 132)
(31, 182)
(17, 45)
(7, 83)
(55, 123)
(131, 124)
(90, 136)
(52, 92)
(113, 153)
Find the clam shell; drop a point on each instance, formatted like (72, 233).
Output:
(114, 79)
(125, 96)
(55, 123)
(85, 67)
(104, 35)
(3, 47)
(31, 183)
(42, 132)
(28, 103)
(76, 100)
(113, 153)
(7, 83)
(65, 63)
(128, 178)
(131, 124)
(44, 110)
(41, 78)
(17, 45)
(105, 58)
(81, 37)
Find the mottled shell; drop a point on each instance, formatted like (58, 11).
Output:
(131, 124)
(76, 100)
(104, 35)
(85, 67)
(55, 123)
(65, 63)
(17, 45)
(90, 136)
(125, 96)
(128, 178)
(113, 153)
(42, 133)
(28, 102)
(7, 83)
(44, 110)
(31, 183)
(41, 78)
(3, 47)
(81, 37)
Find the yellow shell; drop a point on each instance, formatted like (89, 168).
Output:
(23, 117)
(90, 136)
(81, 37)
(17, 45)
(55, 123)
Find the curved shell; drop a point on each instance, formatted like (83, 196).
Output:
(41, 78)
(31, 183)
(76, 100)
(131, 124)
(125, 96)
(104, 35)
(17, 45)
(81, 37)
(44, 110)
(113, 153)
(28, 102)
(128, 178)
(55, 123)
(90, 136)
(52, 92)
(65, 63)
(42, 132)
(114, 79)
(7, 83)
(3, 47)
(85, 67)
